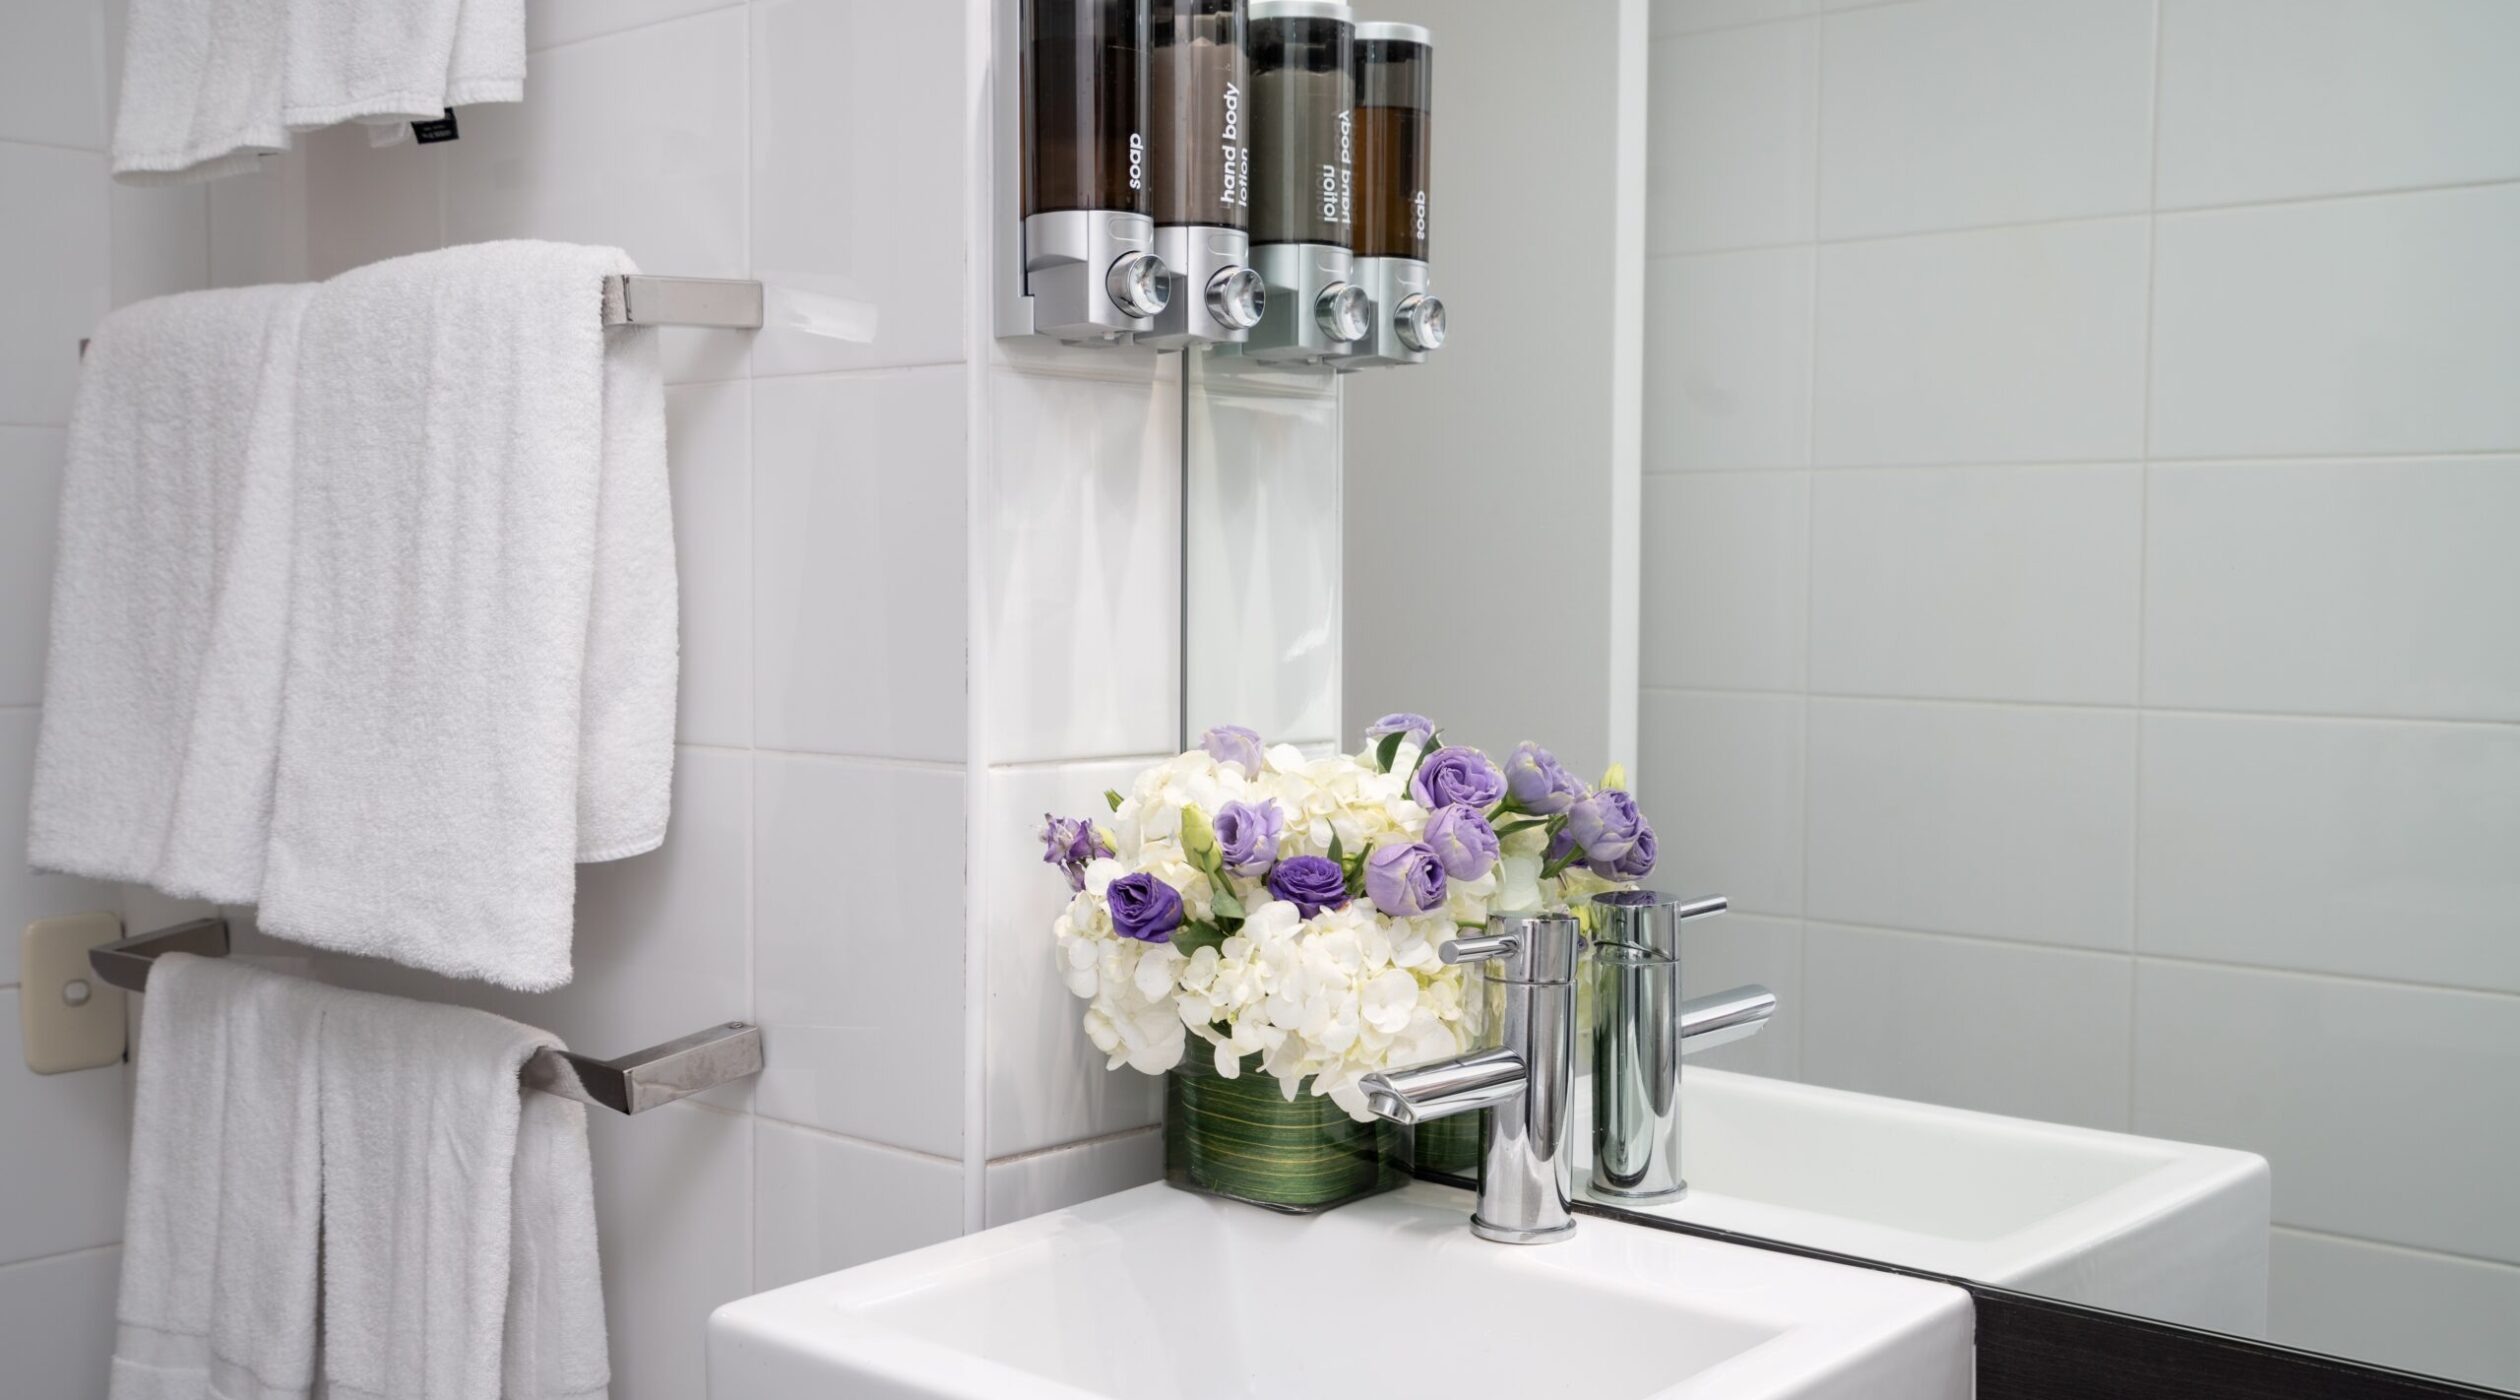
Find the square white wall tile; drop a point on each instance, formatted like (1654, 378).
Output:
(858, 173)
(1977, 819)
(1984, 583)
(57, 1325)
(2032, 1032)
(2389, 324)
(1263, 558)
(858, 948)
(68, 1135)
(674, 1208)
(2426, 1313)
(52, 73)
(54, 246)
(1081, 575)
(635, 140)
(2389, 1113)
(708, 439)
(2280, 99)
(859, 563)
(161, 240)
(1020, 1187)
(2354, 847)
(1731, 950)
(1725, 579)
(826, 1203)
(1721, 778)
(1046, 1082)
(258, 224)
(549, 23)
(1729, 138)
(30, 498)
(1951, 113)
(372, 202)
(2335, 587)
(25, 895)
(2006, 345)
(1728, 360)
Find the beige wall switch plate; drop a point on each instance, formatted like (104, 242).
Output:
(73, 1019)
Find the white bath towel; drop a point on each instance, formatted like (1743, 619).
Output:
(481, 671)
(396, 61)
(201, 90)
(220, 1227)
(170, 593)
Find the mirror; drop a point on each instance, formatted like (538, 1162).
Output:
(2028, 492)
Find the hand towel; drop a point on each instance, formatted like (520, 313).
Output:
(156, 749)
(220, 1227)
(201, 89)
(396, 61)
(459, 1222)
(482, 645)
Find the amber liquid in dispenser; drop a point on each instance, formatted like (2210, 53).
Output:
(1084, 106)
(1391, 149)
(1303, 173)
(1201, 76)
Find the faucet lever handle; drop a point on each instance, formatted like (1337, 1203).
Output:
(1480, 947)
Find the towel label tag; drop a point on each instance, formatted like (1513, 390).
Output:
(443, 129)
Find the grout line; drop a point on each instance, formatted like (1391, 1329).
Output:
(2135, 459)
(910, 1152)
(871, 760)
(104, 152)
(2093, 707)
(2397, 1247)
(2143, 580)
(657, 23)
(848, 373)
(1037, 765)
(752, 723)
(58, 1257)
(1120, 1135)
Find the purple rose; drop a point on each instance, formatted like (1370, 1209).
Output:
(1455, 775)
(1144, 908)
(1248, 835)
(1605, 825)
(1418, 727)
(1561, 848)
(1068, 843)
(1539, 784)
(1405, 880)
(1463, 841)
(1637, 863)
(1310, 883)
(1231, 743)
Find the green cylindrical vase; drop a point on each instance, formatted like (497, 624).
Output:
(1243, 1139)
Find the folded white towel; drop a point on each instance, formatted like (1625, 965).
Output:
(201, 89)
(482, 645)
(170, 595)
(395, 61)
(220, 1227)
(459, 1219)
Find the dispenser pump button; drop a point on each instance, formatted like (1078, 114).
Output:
(1237, 298)
(1344, 311)
(1419, 322)
(1138, 285)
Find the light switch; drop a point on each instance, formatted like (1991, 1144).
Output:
(71, 1018)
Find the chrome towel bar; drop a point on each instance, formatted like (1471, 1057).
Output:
(633, 1083)
(638, 299)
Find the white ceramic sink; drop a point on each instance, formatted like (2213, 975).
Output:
(1157, 1294)
(2163, 1229)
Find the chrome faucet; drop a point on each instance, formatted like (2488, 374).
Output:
(1528, 998)
(1641, 1028)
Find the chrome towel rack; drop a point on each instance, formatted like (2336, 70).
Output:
(639, 299)
(633, 1083)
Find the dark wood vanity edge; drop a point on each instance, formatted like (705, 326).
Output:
(2034, 1348)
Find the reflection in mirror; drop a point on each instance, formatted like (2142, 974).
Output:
(2028, 493)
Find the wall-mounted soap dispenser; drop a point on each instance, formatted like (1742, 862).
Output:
(1303, 179)
(1087, 267)
(1394, 87)
(1200, 70)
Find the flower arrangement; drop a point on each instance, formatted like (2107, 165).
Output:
(1291, 908)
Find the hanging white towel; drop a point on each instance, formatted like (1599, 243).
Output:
(220, 1227)
(481, 670)
(459, 1222)
(201, 89)
(396, 61)
(170, 598)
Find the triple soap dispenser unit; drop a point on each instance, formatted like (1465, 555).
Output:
(1248, 176)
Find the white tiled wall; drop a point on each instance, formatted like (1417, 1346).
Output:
(2082, 464)
(931, 589)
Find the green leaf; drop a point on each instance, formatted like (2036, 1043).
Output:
(1388, 752)
(1335, 857)
(1190, 938)
(1112, 796)
(1434, 741)
(1227, 903)
(1526, 824)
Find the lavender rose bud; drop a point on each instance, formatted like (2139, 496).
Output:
(1418, 727)
(1463, 841)
(1247, 836)
(1310, 883)
(1405, 880)
(1605, 825)
(1637, 863)
(1454, 775)
(1539, 784)
(1561, 848)
(1068, 843)
(1144, 908)
(1231, 743)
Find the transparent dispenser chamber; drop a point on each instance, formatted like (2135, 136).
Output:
(1394, 144)
(1089, 264)
(1303, 179)
(1200, 69)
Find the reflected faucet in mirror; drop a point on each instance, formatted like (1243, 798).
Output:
(1641, 1028)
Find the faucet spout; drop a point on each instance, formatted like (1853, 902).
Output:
(1465, 1084)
